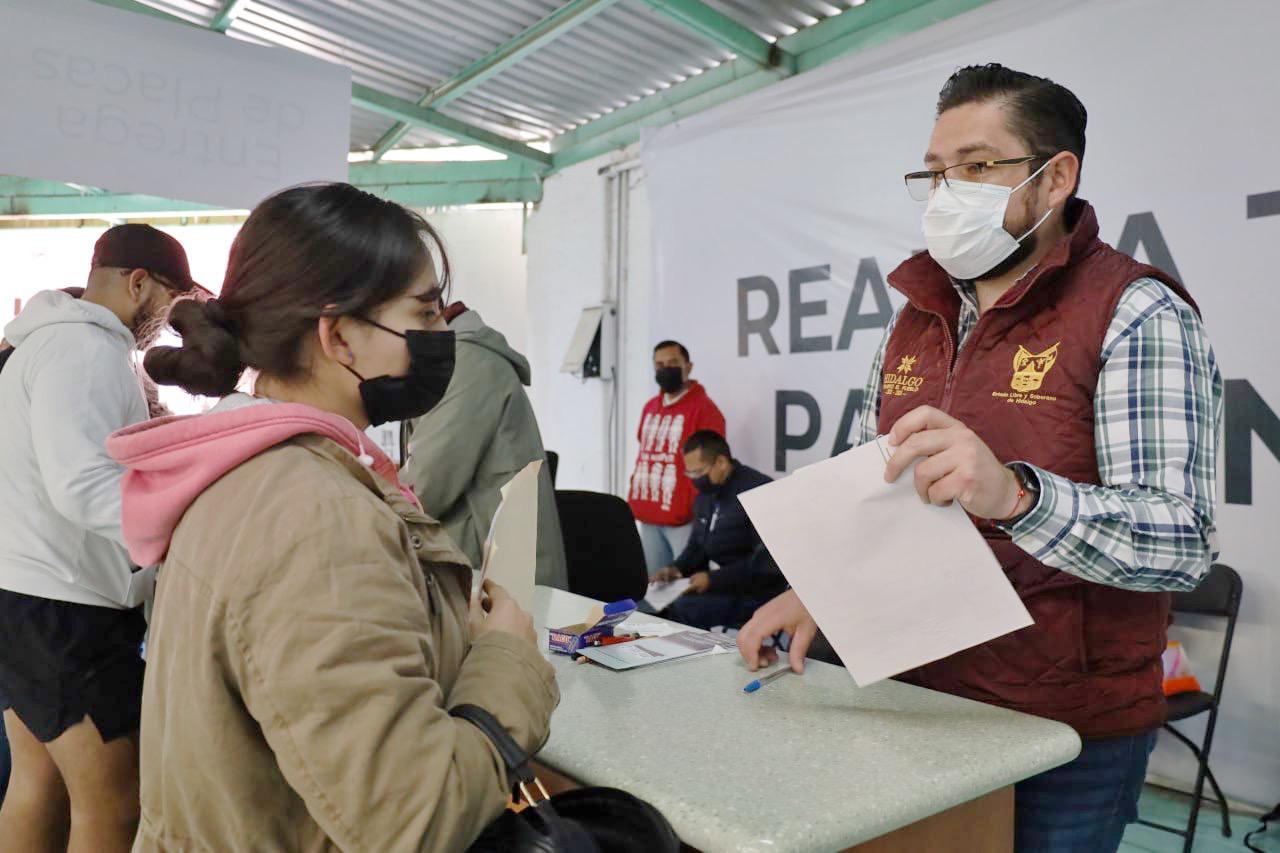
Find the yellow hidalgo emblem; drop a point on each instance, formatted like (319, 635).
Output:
(1030, 368)
(1029, 371)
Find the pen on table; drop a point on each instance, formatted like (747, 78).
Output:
(761, 682)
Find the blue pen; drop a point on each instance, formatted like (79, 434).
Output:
(761, 682)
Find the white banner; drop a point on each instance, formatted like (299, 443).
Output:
(778, 217)
(131, 103)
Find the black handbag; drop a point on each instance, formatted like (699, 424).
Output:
(586, 820)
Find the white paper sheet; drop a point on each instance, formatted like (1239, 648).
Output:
(511, 549)
(893, 583)
(661, 595)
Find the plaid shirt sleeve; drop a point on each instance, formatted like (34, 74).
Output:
(870, 416)
(1158, 412)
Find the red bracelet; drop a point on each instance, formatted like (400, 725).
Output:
(1022, 493)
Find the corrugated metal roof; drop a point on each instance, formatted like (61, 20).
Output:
(405, 47)
(199, 12)
(777, 18)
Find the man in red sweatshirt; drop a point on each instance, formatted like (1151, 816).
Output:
(661, 496)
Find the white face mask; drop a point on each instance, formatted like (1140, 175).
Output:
(964, 226)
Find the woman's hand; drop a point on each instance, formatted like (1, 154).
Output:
(495, 610)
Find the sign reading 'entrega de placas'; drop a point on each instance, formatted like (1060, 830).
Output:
(130, 103)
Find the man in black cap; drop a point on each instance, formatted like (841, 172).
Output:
(71, 621)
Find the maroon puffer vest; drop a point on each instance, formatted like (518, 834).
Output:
(1025, 383)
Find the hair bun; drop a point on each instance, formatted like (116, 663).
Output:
(208, 362)
(217, 315)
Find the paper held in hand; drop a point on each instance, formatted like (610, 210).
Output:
(511, 549)
(660, 596)
(894, 583)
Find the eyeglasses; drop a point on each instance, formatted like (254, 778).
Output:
(962, 177)
(163, 280)
(169, 285)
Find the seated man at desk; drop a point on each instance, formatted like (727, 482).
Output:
(730, 572)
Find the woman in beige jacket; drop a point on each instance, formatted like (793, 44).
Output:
(312, 626)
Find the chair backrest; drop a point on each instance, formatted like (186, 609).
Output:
(602, 546)
(553, 464)
(1218, 594)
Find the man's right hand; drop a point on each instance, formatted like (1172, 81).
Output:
(784, 613)
(667, 575)
(496, 610)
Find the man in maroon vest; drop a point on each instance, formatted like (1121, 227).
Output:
(1067, 397)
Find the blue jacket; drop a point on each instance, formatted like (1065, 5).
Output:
(723, 534)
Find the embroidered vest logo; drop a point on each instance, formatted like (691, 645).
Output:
(902, 383)
(1029, 371)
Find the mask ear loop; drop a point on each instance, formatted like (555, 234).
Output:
(364, 458)
(1027, 233)
(1039, 222)
(1031, 177)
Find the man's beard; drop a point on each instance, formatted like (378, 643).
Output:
(1020, 254)
(1025, 249)
(147, 326)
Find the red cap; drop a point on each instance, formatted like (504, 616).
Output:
(137, 246)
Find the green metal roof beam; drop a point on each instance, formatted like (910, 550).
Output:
(498, 60)
(622, 127)
(857, 28)
(363, 174)
(105, 206)
(447, 184)
(227, 15)
(416, 116)
(870, 24)
(726, 32)
(10, 185)
(410, 184)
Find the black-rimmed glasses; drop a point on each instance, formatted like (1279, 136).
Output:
(962, 177)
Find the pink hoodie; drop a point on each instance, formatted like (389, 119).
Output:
(171, 461)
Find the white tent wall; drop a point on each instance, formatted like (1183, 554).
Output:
(573, 250)
(43, 258)
(484, 246)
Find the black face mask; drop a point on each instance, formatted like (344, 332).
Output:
(402, 398)
(704, 485)
(669, 379)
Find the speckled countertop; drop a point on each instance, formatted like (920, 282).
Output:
(808, 763)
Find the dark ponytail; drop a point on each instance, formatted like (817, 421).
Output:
(304, 253)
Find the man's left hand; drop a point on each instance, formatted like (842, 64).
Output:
(699, 583)
(955, 465)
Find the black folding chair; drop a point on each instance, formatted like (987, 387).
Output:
(1218, 595)
(553, 465)
(602, 546)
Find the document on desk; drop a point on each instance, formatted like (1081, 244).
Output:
(893, 583)
(511, 549)
(683, 644)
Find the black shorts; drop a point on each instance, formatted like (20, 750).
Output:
(61, 662)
